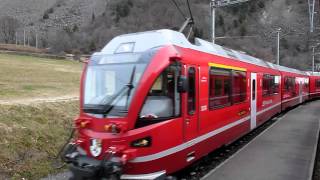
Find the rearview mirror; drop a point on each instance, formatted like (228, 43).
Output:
(182, 84)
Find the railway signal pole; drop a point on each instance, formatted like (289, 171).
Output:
(311, 5)
(36, 39)
(214, 4)
(313, 56)
(24, 37)
(278, 45)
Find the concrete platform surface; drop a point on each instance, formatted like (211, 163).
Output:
(285, 151)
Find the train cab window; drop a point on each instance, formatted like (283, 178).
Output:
(220, 84)
(191, 92)
(239, 88)
(270, 85)
(163, 100)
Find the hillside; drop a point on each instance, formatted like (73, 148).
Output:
(87, 25)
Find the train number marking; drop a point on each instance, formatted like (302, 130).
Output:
(203, 108)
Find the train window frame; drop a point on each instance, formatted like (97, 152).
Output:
(177, 98)
(317, 83)
(254, 89)
(244, 99)
(306, 83)
(191, 94)
(289, 85)
(273, 85)
(212, 90)
(211, 97)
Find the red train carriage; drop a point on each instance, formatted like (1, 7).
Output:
(153, 103)
(295, 89)
(314, 84)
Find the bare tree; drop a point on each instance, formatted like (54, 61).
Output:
(8, 28)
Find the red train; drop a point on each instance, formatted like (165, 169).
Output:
(152, 103)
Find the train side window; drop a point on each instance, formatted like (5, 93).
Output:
(220, 84)
(253, 90)
(270, 85)
(239, 89)
(289, 84)
(317, 83)
(306, 83)
(192, 90)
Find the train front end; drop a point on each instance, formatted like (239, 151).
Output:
(127, 91)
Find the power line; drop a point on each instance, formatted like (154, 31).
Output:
(189, 21)
(175, 3)
(190, 10)
(235, 37)
(220, 3)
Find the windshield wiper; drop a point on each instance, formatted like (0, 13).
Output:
(103, 108)
(130, 85)
(106, 107)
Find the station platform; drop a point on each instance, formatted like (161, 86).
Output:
(285, 151)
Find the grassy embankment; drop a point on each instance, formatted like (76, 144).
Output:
(24, 77)
(30, 135)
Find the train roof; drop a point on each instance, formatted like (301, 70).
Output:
(143, 41)
(313, 73)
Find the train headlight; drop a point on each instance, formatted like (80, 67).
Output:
(144, 142)
(95, 147)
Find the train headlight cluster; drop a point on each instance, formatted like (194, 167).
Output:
(143, 142)
(112, 128)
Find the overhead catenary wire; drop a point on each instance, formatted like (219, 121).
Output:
(237, 37)
(181, 12)
(189, 21)
(190, 12)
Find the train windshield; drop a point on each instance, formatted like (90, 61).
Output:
(111, 81)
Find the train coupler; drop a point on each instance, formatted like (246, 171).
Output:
(83, 167)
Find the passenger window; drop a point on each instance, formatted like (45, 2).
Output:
(226, 87)
(290, 85)
(254, 90)
(219, 88)
(163, 100)
(239, 89)
(270, 85)
(192, 90)
(317, 83)
(306, 83)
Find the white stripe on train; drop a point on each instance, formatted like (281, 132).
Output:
(205, 136)
(196, 140)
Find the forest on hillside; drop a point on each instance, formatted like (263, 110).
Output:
(85, 26)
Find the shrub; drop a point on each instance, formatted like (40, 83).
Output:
(243, 31)
(45, 16)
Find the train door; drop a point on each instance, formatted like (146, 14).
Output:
(253, 119)
(191, 103)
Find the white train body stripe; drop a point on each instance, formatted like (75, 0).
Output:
(196, 140)
(189, 143)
